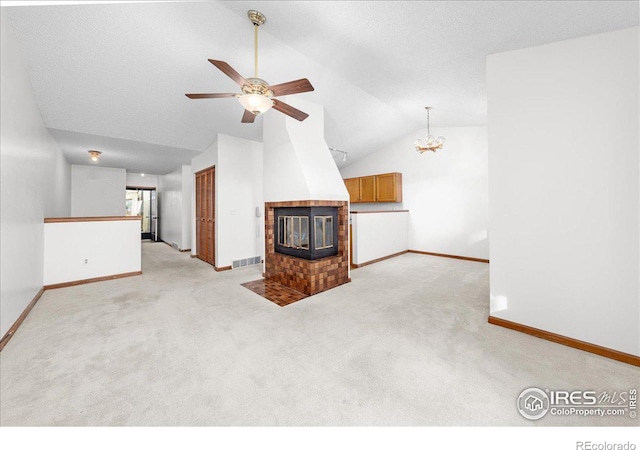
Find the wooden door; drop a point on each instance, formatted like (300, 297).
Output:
(353, 186)
(368, 189)
(198, 214)
(210, 215)
(205, 215)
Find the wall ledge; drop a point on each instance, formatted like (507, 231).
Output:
(90, 219)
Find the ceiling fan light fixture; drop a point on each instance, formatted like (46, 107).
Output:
(256, 93)
(94, 155)
(256, 103)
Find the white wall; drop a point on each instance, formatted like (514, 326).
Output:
(97, 191)
(174, 207)
(376, 235)
(82, 250)
(170, 208)
(446, 192)
(564, 170)
(238, 191)
(138, 180)
(298, 164)
(34, 183)
(204, 160)
(187, 212)
(283, 176)
(240, 234)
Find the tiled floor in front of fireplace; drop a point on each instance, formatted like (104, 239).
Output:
(275, 292)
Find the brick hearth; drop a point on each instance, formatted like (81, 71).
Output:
(308, 277)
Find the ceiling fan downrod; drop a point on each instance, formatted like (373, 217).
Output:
(257, 18)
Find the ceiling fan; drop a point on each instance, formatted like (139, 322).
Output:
(257, 95)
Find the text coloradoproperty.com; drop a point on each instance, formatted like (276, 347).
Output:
(587, 412)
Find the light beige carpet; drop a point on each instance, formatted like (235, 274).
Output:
(406, 343)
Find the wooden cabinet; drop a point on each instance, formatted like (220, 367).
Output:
(389, 187)
(353, 186)
(368, 189)
(386, 187)
(205, 215)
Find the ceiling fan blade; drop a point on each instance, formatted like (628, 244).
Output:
(289, 110)
(291, 87)
(248, 116)
(229, 71)
(210, 95)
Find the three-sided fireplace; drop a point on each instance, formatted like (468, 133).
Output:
(306, 232)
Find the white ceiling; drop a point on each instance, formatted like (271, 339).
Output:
(113, 76)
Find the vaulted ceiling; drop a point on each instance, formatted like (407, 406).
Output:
(113, 76)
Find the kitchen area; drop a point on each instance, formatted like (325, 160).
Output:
(378, 226)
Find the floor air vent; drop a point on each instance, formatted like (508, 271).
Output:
(246, 262)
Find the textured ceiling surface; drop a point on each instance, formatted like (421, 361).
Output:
(115, 75)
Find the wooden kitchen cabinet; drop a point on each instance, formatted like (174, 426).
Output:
(368, 189)
(389, 187)
(353, 186)
(386, 187)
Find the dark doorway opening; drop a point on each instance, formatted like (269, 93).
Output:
(143, 202)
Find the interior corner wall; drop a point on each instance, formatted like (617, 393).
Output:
(170, 208)
(446, 192)
(186, 208)
(239, 193)
(34, 183)
(564, 188)
(97, 191)
(204, 160)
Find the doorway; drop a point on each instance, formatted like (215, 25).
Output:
(205, 215)
(142, 202)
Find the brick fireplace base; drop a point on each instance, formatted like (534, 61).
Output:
(308, 277)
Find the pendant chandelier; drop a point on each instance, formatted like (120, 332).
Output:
(430, 143)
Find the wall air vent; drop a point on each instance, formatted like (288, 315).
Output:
(238, 263)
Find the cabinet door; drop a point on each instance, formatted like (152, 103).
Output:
(368, 189)
(389, 187)
(353, 186)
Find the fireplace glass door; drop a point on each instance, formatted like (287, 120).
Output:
(306, 232)
(293, 231)
(324, 232)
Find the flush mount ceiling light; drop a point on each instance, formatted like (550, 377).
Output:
(95, 155)
(257, 95)
(431, 143)
(344, 154)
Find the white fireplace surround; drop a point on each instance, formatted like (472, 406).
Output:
(297, 161)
